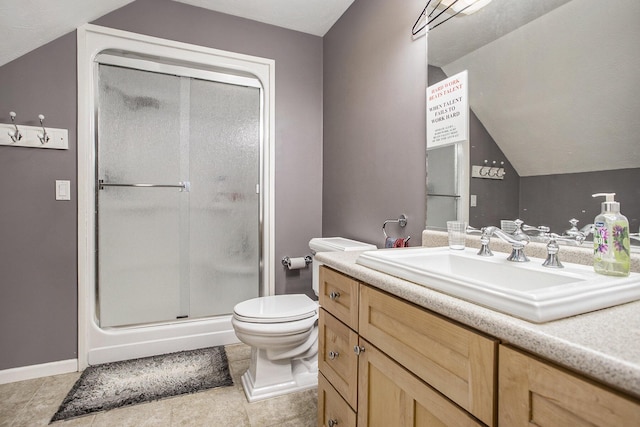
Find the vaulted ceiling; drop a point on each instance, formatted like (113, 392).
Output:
(29, 24)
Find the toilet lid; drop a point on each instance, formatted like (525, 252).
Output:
(277, 308)
(336, 244)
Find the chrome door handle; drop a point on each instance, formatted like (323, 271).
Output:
(334, 295)
(333, 355)
(358, 349)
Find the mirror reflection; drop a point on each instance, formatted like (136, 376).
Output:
(554, 93)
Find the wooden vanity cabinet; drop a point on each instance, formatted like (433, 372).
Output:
(389, 395)
(338, 333)
(455, 361)
(536, 393)
(336, 359)
(333, 410)
(413, 367)
(339, 296)
(377, 364)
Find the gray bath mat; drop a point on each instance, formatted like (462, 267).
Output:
(130, 382)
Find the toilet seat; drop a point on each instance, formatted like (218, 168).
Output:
(282, 329)
(276, 309)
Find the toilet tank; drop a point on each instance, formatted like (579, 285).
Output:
(333, 244)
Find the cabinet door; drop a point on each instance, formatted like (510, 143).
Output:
(388, 395)
(332, 409)
(336, 358)
(535, 393)
(459, 363)
(339, 296)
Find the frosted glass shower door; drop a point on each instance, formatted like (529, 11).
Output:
(138, 228)
(442, 185)
(166, 252)
(225, 155)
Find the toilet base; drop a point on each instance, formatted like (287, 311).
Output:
(278, 377)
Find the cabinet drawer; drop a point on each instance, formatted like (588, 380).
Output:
(457, 362)
(535, 393)
(332, 409)
(339, 296)
(336, 358)
(389, 395)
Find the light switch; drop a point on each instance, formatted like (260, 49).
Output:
(474, 201)
(63, 190)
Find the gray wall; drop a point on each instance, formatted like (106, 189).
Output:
(38, 277)
(552, 200)
(374, 122)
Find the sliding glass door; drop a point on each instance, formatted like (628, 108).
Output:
(178, 163)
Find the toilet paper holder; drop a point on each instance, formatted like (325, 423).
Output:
(286, 261)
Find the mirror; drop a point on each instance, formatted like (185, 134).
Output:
(554, 93)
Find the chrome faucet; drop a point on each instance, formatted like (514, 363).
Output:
(517, 240)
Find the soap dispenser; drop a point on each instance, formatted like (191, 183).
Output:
(611, 246)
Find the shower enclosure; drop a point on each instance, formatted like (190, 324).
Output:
(175, 193)
(177, 209)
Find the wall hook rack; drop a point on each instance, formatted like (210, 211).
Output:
(33, 136)
(493, 171)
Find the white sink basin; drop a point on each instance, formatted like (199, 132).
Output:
(526, 290)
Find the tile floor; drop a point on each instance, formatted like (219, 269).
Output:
(32, 403)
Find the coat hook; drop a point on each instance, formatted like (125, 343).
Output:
(42, 136)
(15, 135)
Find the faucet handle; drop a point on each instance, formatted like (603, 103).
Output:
(485, 239)
(473, 230)
(574, 224)
(520, 235)
(552, 260)
(518, 231)
(587, 229)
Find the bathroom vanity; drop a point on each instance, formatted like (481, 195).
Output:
(395, 353)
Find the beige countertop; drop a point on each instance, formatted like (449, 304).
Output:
(603, 345)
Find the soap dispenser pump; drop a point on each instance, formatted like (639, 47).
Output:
(611, 246)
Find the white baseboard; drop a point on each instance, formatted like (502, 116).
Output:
(37, 371)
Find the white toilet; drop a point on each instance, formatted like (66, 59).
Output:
(282, 331)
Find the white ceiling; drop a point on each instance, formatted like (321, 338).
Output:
(28, 24)
(308, 16)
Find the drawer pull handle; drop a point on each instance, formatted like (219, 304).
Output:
(358, 349)
(334, 295)
(333, 354)
(332, 423)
